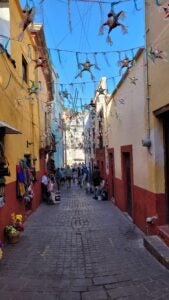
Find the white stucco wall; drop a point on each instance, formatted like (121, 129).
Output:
(74, 137)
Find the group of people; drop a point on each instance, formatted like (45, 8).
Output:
(50, 191)
(75, 174)
(66, 176)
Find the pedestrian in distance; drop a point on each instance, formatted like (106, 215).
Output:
(58, 176)
(68, 176)
(52, 187)
(95, 179)
(44, 186)
(74, 175)
(62, 176)
(99, 193)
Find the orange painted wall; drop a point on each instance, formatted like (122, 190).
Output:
(145, 204)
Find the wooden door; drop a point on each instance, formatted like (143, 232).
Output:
(166, 157)
(111, 174)
(127, 181)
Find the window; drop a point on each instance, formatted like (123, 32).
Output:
(24, 69)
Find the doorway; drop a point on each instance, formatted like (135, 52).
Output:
(127, 181)
(166, 159)
(111, 174)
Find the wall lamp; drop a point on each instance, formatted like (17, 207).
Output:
(146, 142)
(28, 144)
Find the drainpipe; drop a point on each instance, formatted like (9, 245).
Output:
(147, 141)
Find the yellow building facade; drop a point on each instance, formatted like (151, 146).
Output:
(22, 109)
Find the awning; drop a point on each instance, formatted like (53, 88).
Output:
(8, 129)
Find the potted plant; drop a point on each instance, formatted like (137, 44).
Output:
(12, 234)
(12, 231)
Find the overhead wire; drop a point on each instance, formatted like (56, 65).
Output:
(80, 52)
(83, 26)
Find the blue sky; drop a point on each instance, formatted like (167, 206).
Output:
(85, 19)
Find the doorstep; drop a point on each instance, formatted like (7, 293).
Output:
(158, 249)
(163, 233)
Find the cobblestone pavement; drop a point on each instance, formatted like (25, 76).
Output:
(81, 249)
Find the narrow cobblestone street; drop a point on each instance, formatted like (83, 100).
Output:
(80, 249)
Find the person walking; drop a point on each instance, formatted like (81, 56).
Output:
(74, 175)
(62, 178)
(52, 188)
(95, 179)
(44, 186)
(85, 173)
(58, 176)
(68, 176)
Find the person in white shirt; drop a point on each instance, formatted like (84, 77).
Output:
(100, 190)
(44, 185)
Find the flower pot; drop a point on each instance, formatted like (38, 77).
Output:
(14, 238)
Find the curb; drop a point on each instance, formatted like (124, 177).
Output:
(158, 249)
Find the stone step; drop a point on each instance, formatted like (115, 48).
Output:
(158, 249)
(163, 233)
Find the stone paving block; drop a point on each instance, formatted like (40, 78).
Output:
(96, 288)
(95, 295)
(81, 249)
(69, 296)
(80, 288)
(138, 297)
(7, 295)
(119, 284)
(81, 281)
(126, 291)
(33, 296)
(104, 280)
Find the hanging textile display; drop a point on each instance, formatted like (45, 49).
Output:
(86, 67)
(23, 179)
(113, 22)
